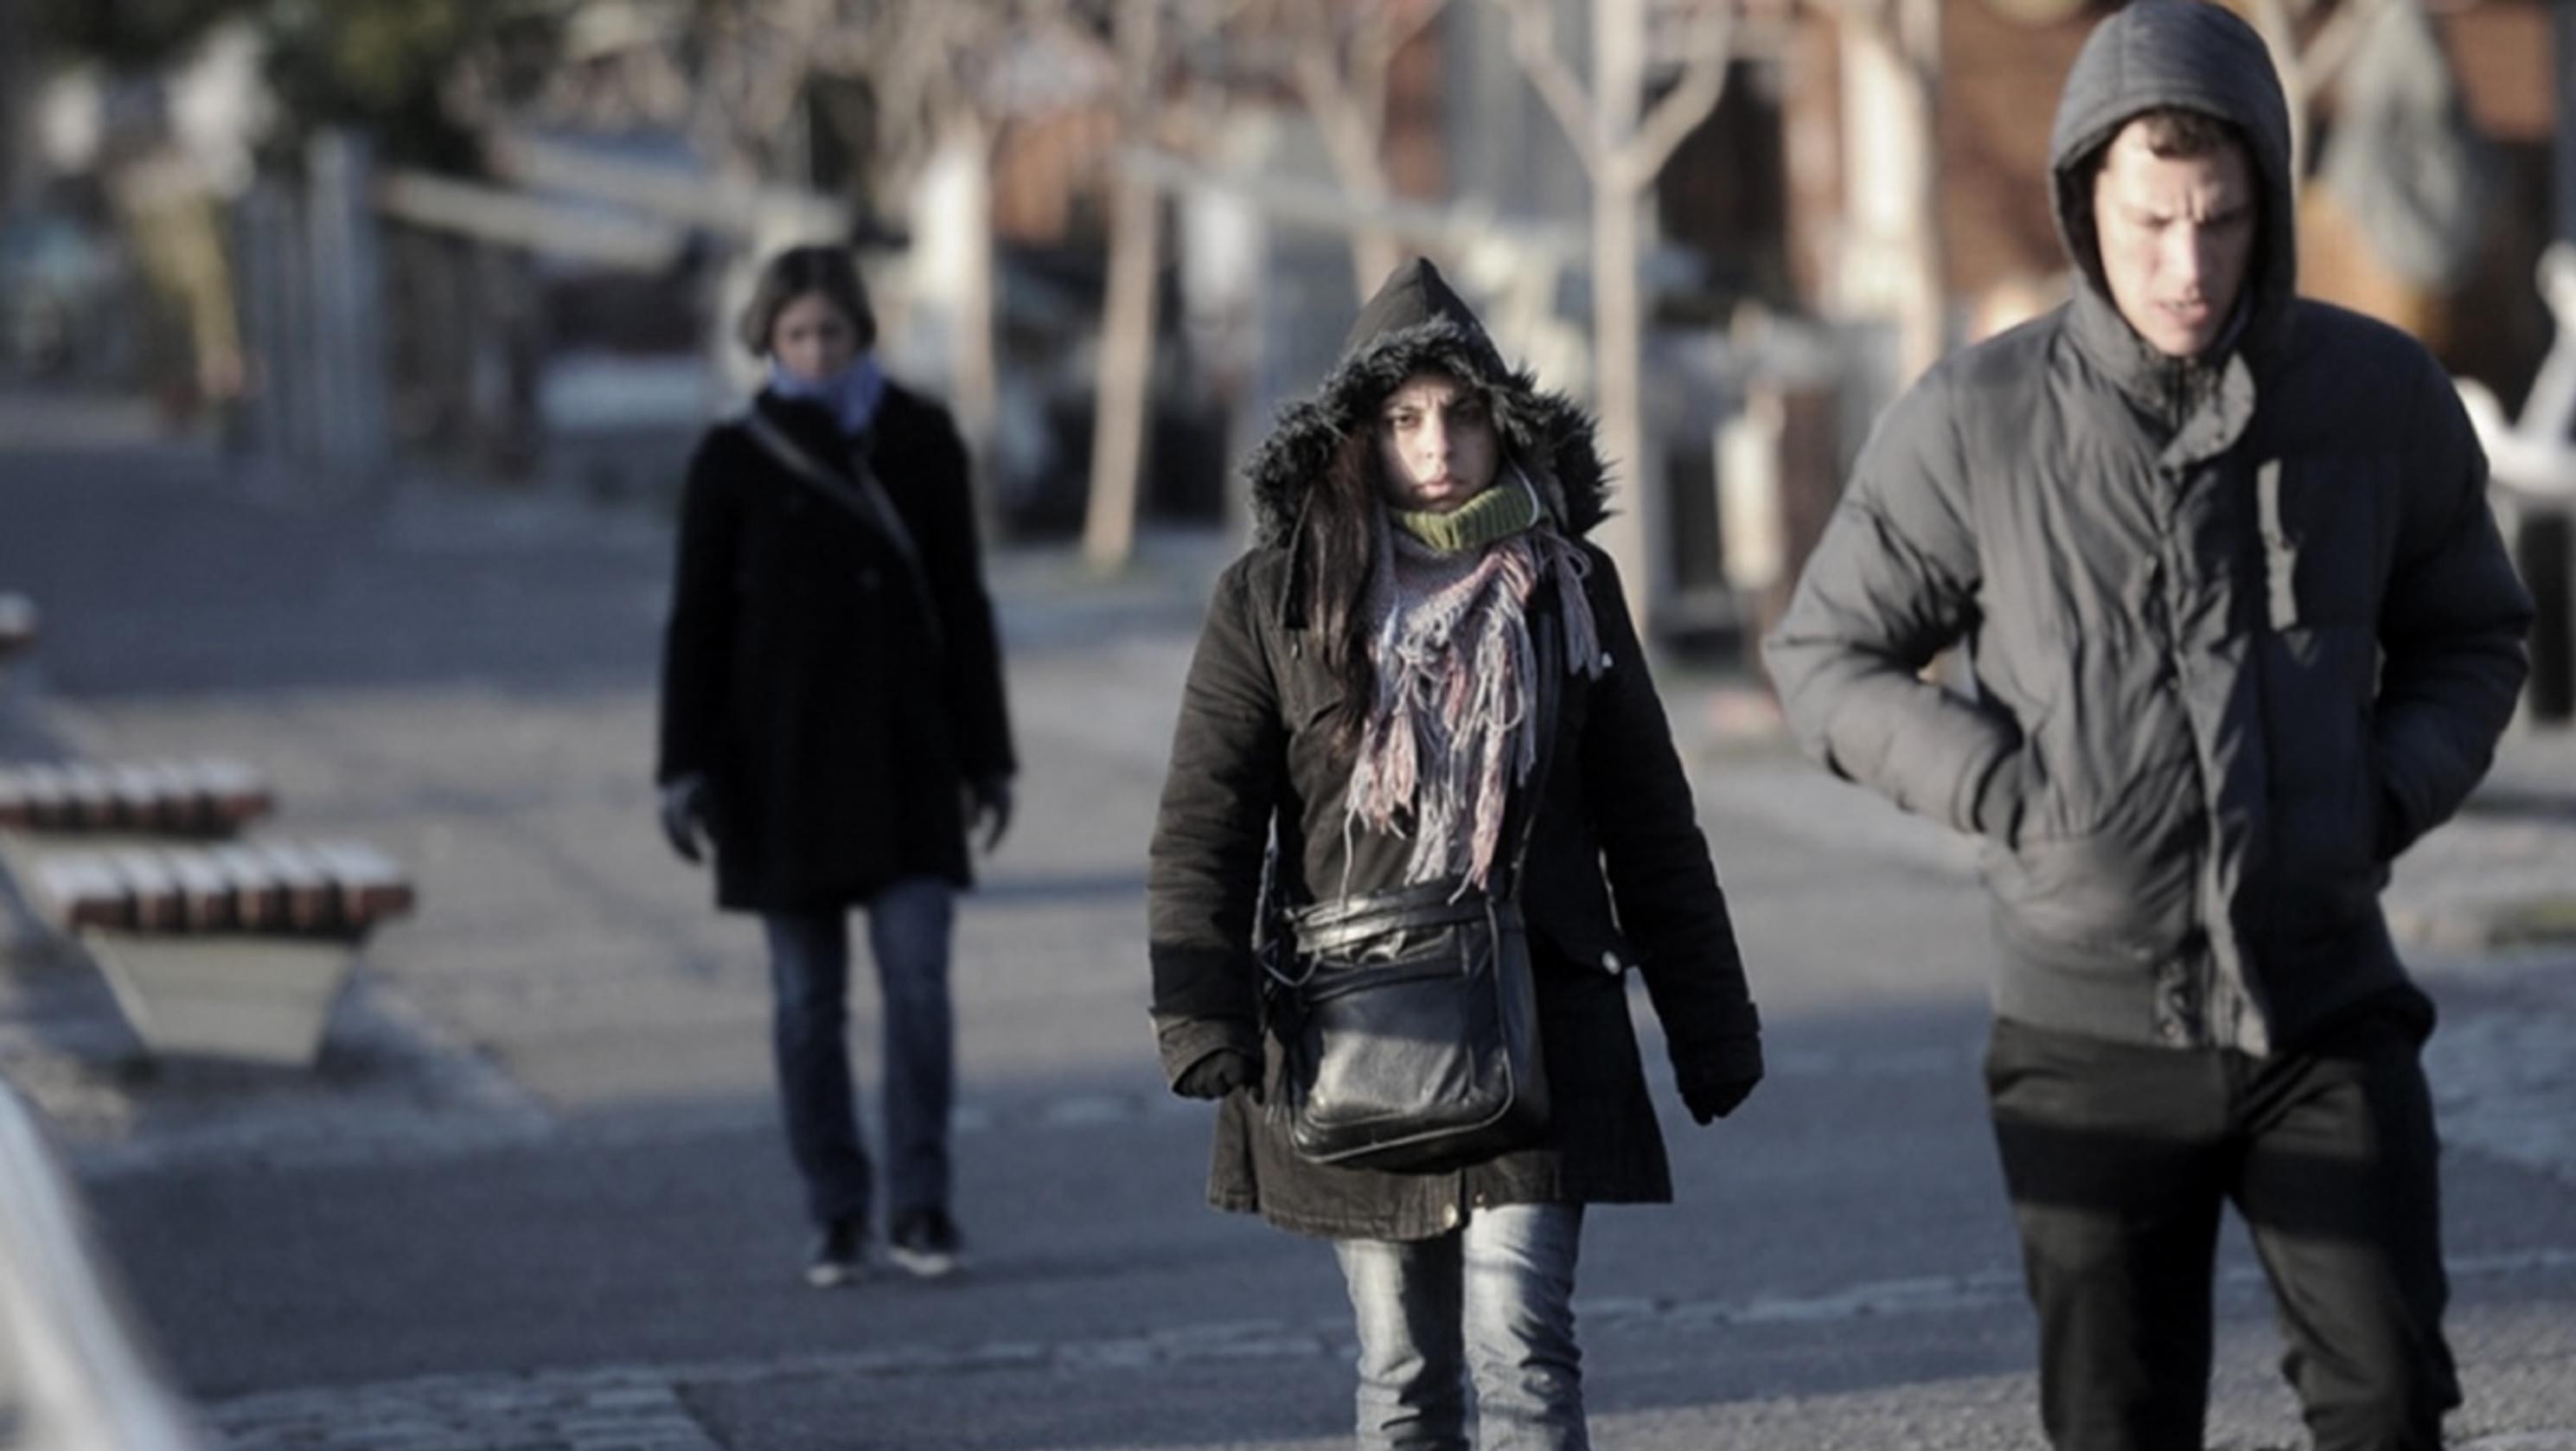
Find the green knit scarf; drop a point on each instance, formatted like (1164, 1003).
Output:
(1499, 512)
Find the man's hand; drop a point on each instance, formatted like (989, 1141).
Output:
(2004, 796)
(2391, 829)
(1715, 1082)
(989, 807)
(1220, 1073)
(684, 816)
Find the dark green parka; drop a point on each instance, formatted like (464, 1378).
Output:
(2242, 628)
(1616, 824)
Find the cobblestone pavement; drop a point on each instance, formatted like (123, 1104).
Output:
(2524, 1360)
(530, 1199)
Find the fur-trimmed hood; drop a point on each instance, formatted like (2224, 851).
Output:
(1417, 324)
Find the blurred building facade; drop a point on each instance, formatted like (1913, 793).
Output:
(1865, 188)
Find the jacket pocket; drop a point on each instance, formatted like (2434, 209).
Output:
(1307, 693)
(2320, 526)
(1591, 945)
(2324, 791)
(2329, 829)
(2092, 902)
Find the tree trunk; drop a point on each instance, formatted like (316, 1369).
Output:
(1125, 373)
(1619, 67)
(1374, 255)
(17, 73)
(1124, 379)
(1617, 344)
(1892, 263)
(974, 369)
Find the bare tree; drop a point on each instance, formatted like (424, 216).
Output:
(925, 71)
(1125, 371)
(2309, 67)
(1335, 57)
(1623, 146)
(1338, 57)
(1890, 261)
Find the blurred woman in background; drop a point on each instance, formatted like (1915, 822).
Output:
(833, 724)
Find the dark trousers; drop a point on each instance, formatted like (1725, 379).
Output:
(2118, 1158)
(809, 965)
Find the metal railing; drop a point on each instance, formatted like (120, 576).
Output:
(75, 1373)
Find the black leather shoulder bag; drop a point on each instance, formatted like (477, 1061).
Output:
(1408, 1019)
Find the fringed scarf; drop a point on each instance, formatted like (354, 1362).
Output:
(1451, 729)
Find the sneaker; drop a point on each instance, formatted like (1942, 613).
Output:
(839, 1254)
(924, 1243)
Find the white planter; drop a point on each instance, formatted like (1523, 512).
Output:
(251, 996)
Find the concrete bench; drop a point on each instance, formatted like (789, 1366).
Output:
(237, 949)
(183, 798)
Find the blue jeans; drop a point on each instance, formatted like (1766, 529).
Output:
(1491, 1300)
(809, 971)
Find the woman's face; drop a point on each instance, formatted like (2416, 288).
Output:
(1435, 444)
(813, 338)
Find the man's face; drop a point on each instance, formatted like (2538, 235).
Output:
(1435, 443)
(2176, 234)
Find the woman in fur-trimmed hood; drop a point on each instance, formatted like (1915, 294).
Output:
(1418, 637)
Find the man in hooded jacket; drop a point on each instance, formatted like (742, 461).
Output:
(2242, 629)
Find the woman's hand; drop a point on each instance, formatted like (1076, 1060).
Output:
(684, 816)
(988, 806)
(1220, 1073)
(1716, 1082)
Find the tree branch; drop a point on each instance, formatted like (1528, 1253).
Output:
(1534, 45)
(2331, 48)
(1855, 12)
(1389, 29)
(1410, 21)
(1349, 134)
(1703, 85)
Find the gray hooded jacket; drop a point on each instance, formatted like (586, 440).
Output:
(2242, 627)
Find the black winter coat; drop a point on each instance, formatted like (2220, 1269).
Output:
(2242, 629)
(836, 722)
(1254, 742)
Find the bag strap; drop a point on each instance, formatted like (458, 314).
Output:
(1272, 936)
(859, 494)
(1546, 660)
(1271, 926)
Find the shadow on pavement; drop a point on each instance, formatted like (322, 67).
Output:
(1844, 1232)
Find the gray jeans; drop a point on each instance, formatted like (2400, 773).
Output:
(809, 967)
(1490, 1301)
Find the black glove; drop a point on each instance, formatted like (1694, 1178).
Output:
(684, 816)
(988, 804)
(1220, 1073)
(1714, 1082)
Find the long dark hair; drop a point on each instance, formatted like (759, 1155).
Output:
(792, 274)
(1338, 527)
